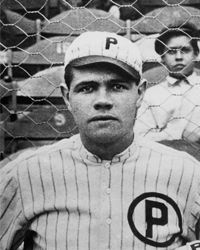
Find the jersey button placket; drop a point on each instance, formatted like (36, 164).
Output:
(108, 191)
(108, 221)
(107, 165)
(105, 209)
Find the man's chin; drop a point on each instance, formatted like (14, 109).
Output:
(180, 73)
(104, 137)
(177, 74)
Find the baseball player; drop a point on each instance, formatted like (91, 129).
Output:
(169, 108)
(103, 188)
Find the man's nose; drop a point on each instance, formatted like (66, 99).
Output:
(179, 55)
(103, 100)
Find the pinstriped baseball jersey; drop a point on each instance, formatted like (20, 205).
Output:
(147, 197)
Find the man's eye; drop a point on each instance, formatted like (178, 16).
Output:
(86, 89)
(119, 87)
(171, 51)
(185, 50)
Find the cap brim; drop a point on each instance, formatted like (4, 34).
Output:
(89, 60)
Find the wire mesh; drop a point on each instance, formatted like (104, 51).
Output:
(34, 37)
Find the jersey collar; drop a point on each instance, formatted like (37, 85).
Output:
(86, 155)
(191, 79)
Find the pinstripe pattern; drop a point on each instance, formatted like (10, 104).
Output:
(72, 200)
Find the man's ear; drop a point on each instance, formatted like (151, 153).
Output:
(141, 90)
(65, 94)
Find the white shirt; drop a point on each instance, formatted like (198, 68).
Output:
(171, 110)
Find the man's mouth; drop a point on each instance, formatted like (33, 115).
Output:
(103, 118)
(179, 66)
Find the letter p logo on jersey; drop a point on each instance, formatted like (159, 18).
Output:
(151, 216)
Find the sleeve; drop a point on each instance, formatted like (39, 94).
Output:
(194, 245)
(191, 104)
(192, 129)
(155, 122)
(12, 222)
(193, 232)
(172, 131)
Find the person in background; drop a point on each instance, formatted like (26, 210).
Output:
(170, 109)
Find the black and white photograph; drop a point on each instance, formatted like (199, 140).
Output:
(100, 125)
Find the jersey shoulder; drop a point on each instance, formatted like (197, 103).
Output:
(67, 145)
(167, 151)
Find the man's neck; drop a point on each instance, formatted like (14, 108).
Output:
(106, 151)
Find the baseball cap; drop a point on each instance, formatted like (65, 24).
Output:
(98, 47)
(188, 29)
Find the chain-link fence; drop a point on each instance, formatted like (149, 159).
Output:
(34, 36)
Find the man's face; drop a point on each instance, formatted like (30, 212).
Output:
(179, 56)
(103, 103)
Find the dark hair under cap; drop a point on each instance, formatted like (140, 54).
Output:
(188, 29)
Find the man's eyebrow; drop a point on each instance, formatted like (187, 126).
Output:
(84, 83)
(87, 82)
(120, 79)
(117, 80)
